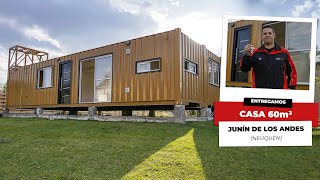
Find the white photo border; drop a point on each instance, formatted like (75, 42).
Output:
(235, 94)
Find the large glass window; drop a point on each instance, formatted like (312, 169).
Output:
(96, 79)
(296, 38)
(302, 62)
(44, 77)
(214, 72)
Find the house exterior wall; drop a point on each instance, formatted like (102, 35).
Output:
(151, 88)
(196, 87)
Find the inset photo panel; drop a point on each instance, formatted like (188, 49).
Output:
(268, 57)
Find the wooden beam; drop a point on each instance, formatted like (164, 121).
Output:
(25, 59)
(20, 57)
(22, 49)
(9, 60)
(12, 56)
(30, 58)
(26, 53)
(13, 47)
(25, 47)
(19, 62)
(15, 61)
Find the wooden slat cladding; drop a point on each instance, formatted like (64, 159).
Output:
(144, 87)
(213, 90)
(149, 88)
(23, 86)
(196, 87)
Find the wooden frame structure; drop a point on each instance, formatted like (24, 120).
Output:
(23, 56)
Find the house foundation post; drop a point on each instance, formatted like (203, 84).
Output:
(180, 114)
(39, 111)
(5, 111)
(92, 111)
(205, 112)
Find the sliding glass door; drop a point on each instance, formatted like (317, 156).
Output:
(96, 79)
(103, 78)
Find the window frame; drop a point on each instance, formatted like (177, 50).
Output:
(60, 83)
(190, 63)
(146, 62)
(101, 79)
(211, 63)
(38, 77)
(94, 78)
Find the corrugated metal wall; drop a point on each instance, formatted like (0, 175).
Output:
(192, 84)
(213, 91)
(22, 86)
(153, 87)
(196, 87)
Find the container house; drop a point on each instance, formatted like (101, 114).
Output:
(158, 71)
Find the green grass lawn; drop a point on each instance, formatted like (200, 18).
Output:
(65, 149)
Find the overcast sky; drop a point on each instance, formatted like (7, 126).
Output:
(61, 27)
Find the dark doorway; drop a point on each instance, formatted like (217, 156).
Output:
(64, 82)
(241, 39)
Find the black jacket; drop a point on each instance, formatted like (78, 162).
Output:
(274, 70)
